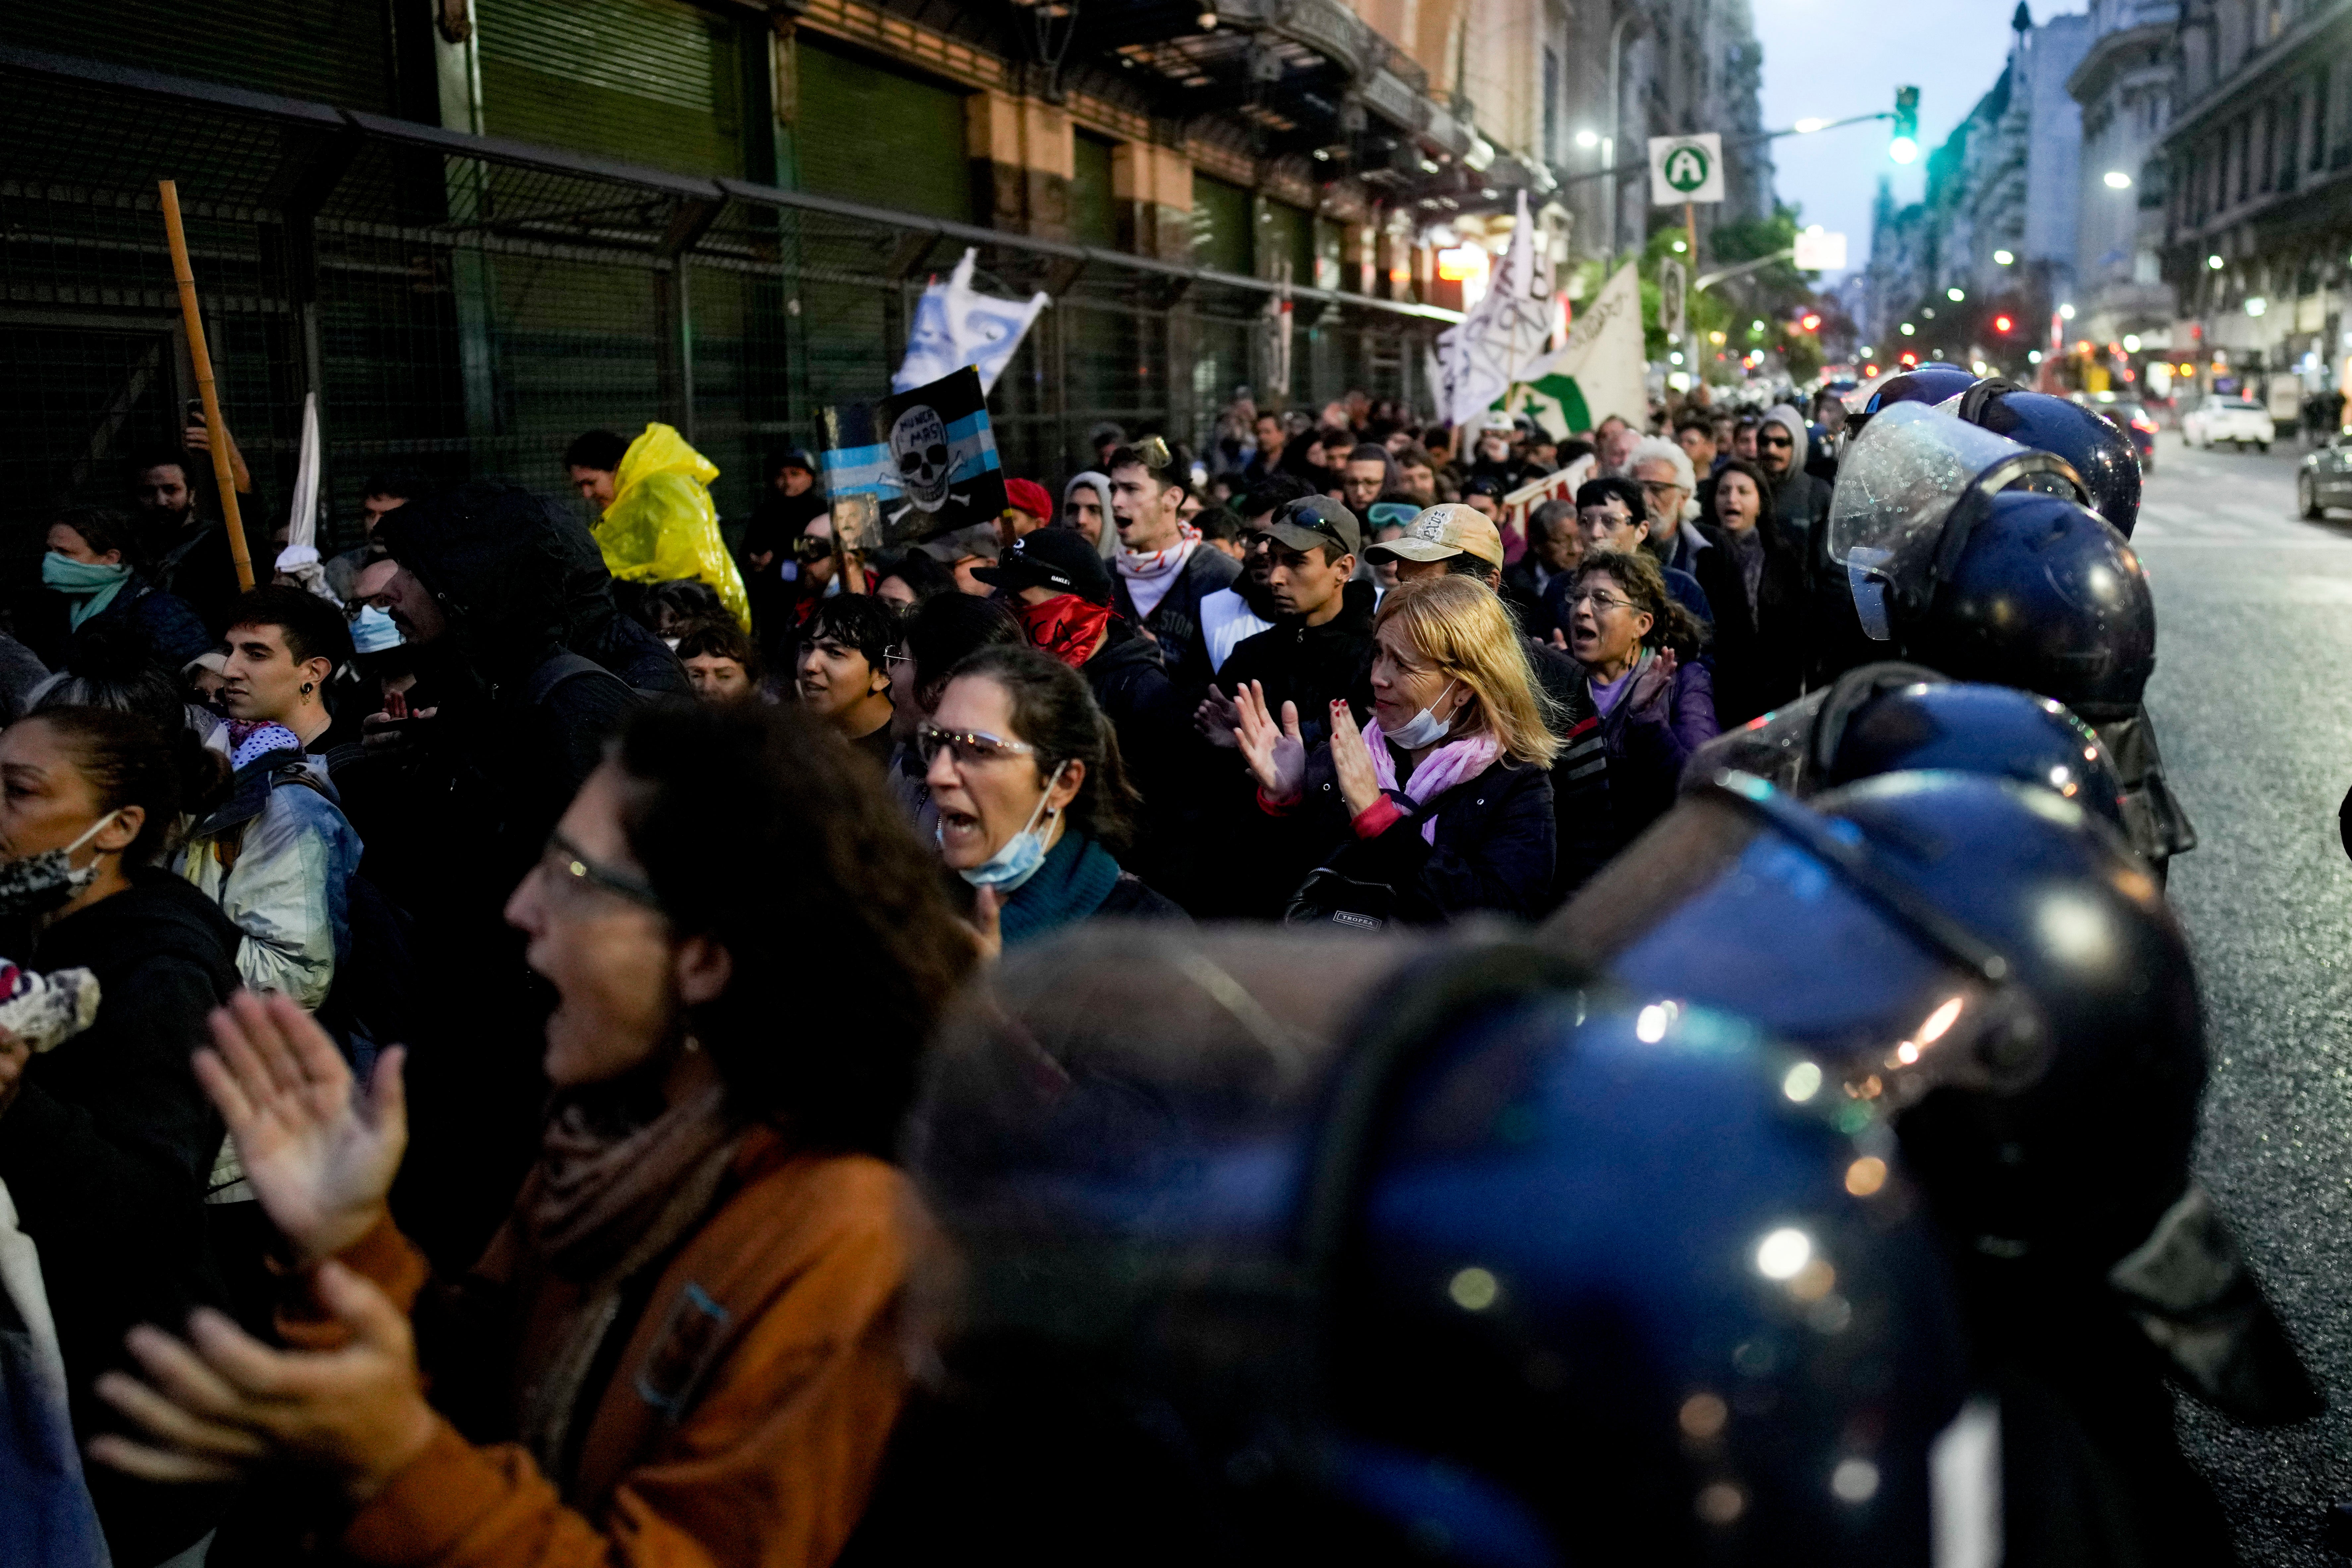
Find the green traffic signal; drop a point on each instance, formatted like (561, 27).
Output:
(1904, 147)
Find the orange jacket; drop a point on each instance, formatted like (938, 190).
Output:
(743, 1424)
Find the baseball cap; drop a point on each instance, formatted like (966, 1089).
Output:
(1055, 558)
(1442, 531)
(948, 548)
(1030, 497)
(1315, 522)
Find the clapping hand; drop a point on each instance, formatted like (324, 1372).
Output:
(1217, 718)
(1276, 756)
(319, 1158)
(1351, 759)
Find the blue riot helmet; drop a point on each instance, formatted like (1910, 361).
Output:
(1929, 383)
(1972, 554)
(2100, 455)
(1272, 1248)
(1898, 717)
(1984, 959)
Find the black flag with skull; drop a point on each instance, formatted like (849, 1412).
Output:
(927, 458)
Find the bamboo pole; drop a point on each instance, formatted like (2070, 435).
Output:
(224, 473)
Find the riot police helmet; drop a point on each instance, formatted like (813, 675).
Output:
(2100, 455)
(2046, 595)
(1405, 1250)
(1929, 383)
(1896, 718)
(1985, 957)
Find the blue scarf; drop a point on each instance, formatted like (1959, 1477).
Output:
(88, 586)
(1078, 876)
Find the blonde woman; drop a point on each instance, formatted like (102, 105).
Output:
(1442, 804)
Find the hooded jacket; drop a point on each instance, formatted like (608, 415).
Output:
(278, 856)
(662, 525)
(1801, 504)
(106, 1150)
(1100, 484)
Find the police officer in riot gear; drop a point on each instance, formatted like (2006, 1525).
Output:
(1898, 717)
(1273, 1250)
(1988, 961)
(1965, 552)
(1930, 383)
(2097, 452)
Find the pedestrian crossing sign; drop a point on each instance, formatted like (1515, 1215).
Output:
(1686, 169)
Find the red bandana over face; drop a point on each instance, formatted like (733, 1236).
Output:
(1065, 625)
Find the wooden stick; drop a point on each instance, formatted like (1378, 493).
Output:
(217, 433)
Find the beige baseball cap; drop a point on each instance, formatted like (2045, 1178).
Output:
(1452, 528)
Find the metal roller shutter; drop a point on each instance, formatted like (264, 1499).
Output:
(867, 133)
(653, 82)
(1220, 226)
(330, 51)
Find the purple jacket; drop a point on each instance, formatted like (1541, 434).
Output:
(1648, 736)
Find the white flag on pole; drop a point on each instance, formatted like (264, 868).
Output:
(1598, 372)
(956, 325)
(299, 559)
(1483, 355)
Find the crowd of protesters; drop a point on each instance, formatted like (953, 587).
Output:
(517, 933)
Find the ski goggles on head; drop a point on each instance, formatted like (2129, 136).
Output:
(1391, 513)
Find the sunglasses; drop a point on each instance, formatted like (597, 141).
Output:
(969, 747)
(1774, 441)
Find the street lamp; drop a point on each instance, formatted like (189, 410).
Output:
(2117, 180)
(2066, 313)
(2003, 257)
(1588, 139)
(1908, 329)
(1807, 127)
(1955, 295)
(2215, 262)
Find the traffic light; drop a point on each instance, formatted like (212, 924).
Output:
(1904, 148)
(1811, 322)
(2003, 323)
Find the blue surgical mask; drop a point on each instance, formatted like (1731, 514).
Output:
(1425, 729)
(373, 631)
(1023, 853)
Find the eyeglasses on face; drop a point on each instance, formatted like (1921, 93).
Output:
(967, 747)
(1660, 487)
(569, 869)
(1602, 603)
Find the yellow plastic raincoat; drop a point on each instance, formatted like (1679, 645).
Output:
(662, 526)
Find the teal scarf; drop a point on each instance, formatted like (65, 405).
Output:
(1078, 876)
(88, 586)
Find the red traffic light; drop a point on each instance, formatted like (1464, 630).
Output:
(1812, 323)
(1910, 359)
(2003, 323)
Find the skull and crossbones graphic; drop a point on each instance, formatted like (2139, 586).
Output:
(919, 445)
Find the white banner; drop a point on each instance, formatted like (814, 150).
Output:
(957, 326)
(1482, 356)
(1599, 373)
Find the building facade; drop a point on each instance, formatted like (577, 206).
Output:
(2125, 87)
(2257, 165)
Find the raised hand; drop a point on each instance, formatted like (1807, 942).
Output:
(1351, 759)
(1216, 718)
(987, 924)
(1276, 756)
(319, 1158)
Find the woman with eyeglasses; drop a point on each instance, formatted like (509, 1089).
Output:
(1656, 701)
(1034, 804)
(686, 1337)
(1442, 804)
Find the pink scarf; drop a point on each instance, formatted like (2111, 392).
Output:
(1450, 764)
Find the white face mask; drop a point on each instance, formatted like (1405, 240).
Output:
(1425, 729)
(1023, 853)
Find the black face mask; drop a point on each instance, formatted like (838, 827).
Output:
(36, 884)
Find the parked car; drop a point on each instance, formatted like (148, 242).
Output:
(2240, 421)
(2325, 480)
(2129, 416)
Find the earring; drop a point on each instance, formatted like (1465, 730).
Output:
(306, 688)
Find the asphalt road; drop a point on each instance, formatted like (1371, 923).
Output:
(2252, 705)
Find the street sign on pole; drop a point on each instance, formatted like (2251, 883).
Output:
(1671, 279)
(1686, 169)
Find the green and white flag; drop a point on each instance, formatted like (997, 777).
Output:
(1597, 372)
